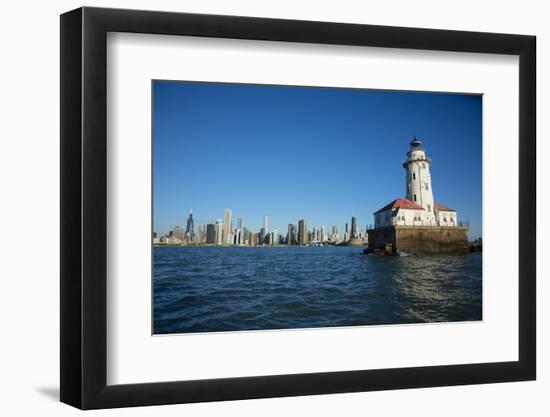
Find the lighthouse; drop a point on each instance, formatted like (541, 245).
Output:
(416, 223)
(418, 182)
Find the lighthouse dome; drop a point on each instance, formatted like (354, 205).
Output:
(416, 144)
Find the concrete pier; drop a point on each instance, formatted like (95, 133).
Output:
(420, 239)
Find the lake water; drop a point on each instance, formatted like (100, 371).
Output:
(204, 289)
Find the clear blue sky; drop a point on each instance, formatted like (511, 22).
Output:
(323, 154)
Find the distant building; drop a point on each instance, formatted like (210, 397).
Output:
(246, 236)
(354, 237)
(291, 235)
(219, 232)
(172, 240)
(226, 226)
(275, 239)
(239, 232)
(254, 241)
(178, 233)
(210, 234)
(202, 233)
(302, 232)
(237, 240)
(156, 240)
(266, 231)
(190, 227)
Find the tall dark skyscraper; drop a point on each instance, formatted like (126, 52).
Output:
(353, 228)
(291, 236)
(190, 226)
(302, 232)
(210, 233)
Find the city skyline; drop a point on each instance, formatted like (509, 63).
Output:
(323, 154)
(184, 219)
(225, 232)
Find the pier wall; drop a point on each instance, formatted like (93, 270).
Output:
(421, 239)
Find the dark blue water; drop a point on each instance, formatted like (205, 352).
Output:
(203, 289)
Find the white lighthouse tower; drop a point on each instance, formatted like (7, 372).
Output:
(418, 181)
(416, 223)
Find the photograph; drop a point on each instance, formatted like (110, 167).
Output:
(300, 207)
(245, 208)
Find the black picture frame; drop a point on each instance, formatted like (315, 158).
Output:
(84, 207)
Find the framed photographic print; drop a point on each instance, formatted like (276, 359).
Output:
(258, 207)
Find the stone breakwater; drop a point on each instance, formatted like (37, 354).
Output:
(418, 240)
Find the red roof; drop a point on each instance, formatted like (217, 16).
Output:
(439, 207)
(401, 203)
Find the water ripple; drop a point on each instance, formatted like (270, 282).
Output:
(202, 289)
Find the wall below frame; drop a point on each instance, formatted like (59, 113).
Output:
(30, 271)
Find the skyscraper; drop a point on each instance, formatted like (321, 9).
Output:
(202, 233)
(265, 225)
(210, 233)
(353, 228)
(190, 226)
(238, 232)
(275, 238)
(219, 232)
(302, 232)
(291, 236)
(178, 232)
(226, 226)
